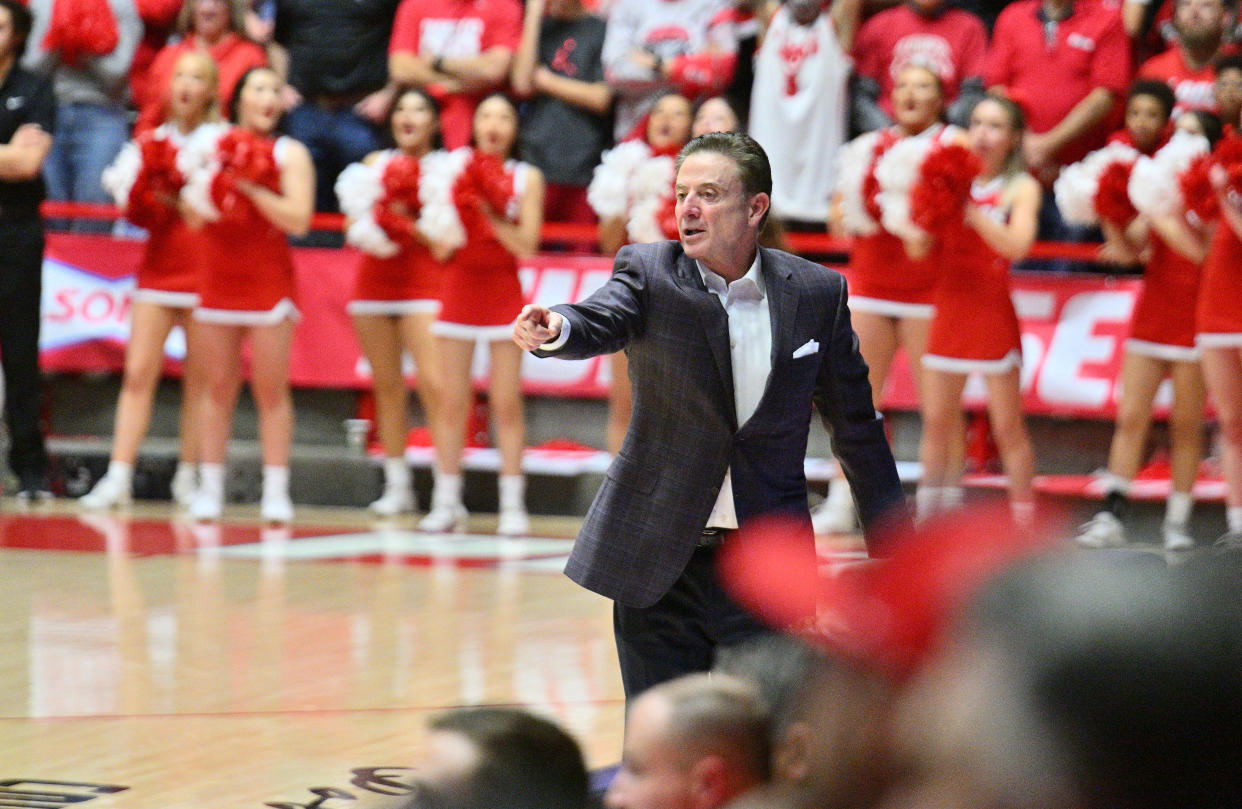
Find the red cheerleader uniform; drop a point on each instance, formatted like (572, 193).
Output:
(1218, 317)
(481, 295)
(402, 284)
(882, 278)
(975, 327)
(248, 276)
(168, 273)
(1163, 323)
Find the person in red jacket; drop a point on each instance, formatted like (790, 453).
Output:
(216, 27)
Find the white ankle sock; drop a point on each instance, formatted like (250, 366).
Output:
(396, 472)
(211, 479)
(276, 479)
(512, 492)
(926, 501)
(447, 490)
(121, 471)
(1233, 516)
(1177, 510)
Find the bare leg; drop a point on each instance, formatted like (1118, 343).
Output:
(144, 361)
(1012, 439)
(381, 344)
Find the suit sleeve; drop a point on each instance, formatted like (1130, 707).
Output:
(610, 318)
(843, 398)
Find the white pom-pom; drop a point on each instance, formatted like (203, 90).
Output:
(651, 186)
(369, 237)
(1076, 186)
(1154, 188)
(853, 161)
(438, 219)
(608, 193)
(118, 178)
(896, 172)
(360, 185)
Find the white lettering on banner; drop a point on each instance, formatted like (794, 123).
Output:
(81, 307)
(1065, 378)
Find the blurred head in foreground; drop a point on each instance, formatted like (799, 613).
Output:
(1081, 682)
(499, 758)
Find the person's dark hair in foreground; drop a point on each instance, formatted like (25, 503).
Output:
(499, 758)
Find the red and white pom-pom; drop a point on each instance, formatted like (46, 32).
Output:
(369, 237)
(1076, 187)
(1228, 156)
(199, 163)
(854, 161)
(118, 178)
(896, 172)
(1198, 194)
(360, 185)
(438, 218)
(1155, 189)
(609, 194)
(651, 191)
(939, 195)
(1112, 195)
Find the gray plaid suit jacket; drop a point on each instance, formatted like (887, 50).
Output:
(647, 517)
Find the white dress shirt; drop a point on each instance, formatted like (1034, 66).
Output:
(745, 301)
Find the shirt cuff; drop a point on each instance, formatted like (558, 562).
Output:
(561, 339)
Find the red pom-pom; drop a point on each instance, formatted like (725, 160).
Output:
(491, 182)
(1197, 192)
(1112, 195)
(943, 187)
(397, 209)
(81, 29)
(870, 185)
(153, 196)
(244, 155)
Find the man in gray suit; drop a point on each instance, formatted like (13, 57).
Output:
(729, 345)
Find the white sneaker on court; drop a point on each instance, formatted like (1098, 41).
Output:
(109, 492)
(1101, 531)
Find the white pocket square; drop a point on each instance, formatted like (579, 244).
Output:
(810, 347)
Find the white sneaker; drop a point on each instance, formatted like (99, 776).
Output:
(444, 519)
(206, 506)
(276, 507)
(184, 485)
(395, 500)
(1176, 537)
(834, 516)
(513, 522)
(109, 492)
(1101, 531)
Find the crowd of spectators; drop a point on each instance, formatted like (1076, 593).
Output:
(587, 74)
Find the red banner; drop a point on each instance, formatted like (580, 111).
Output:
(1072, 327)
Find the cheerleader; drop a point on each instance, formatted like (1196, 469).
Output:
(891, 283)
(252, 190)
(1161, 342)
(632, 194)
(975, 328)
(145, 182)
(1218, 319)
(500, 204)
(397, 287)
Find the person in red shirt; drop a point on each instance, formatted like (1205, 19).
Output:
(1188, 66)
(458, 50)
(1067, 64)
(952, 42)
(214, 26)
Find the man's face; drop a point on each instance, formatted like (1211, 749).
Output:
(654, 774)
(717, 222)
(1199, 21)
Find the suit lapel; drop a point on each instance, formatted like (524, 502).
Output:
(782, 305)
(715, 323)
